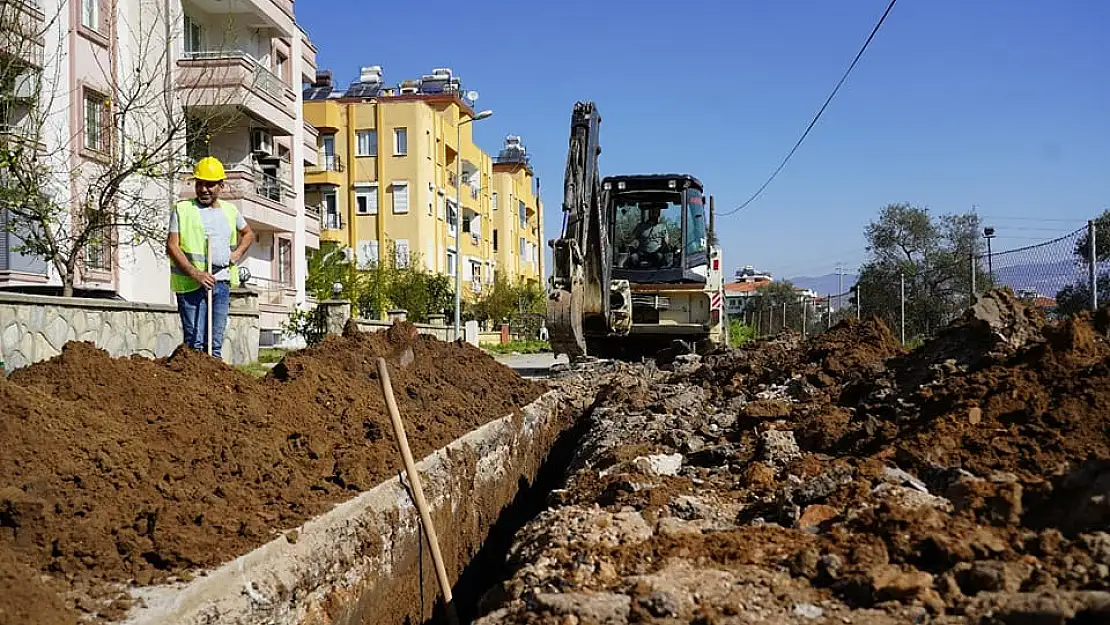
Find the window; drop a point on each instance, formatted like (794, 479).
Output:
(523, 249)
(193, 37)
(279, 65)
(332, 219)
(494, 200)
(366, 253)
(495, 240)
(451, 262)
(401, 253)
(196, 138)
(90, 14)
(696, 240)
(366, 198)
(523, 215)
(98, 250)
(452, 217)
(400, 198)
(367, 143)
(285, 262)
(97, 120)
(400, 141)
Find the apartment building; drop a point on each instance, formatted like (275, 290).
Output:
(399, 174)
(517, 213)
(216, 77)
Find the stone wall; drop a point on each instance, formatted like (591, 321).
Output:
(338, 312)
(35, 327)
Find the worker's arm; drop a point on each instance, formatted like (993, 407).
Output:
(173, 250)
(246, 238)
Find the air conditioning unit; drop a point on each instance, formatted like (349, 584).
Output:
(347, 255)
(262, 142)
(409, 90)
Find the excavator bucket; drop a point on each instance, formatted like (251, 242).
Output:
(564, 318)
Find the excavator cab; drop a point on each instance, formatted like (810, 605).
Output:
(657, 227)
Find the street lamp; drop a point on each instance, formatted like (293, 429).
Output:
(988, 234)
(458, 213)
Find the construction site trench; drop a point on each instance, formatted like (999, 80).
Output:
(837, 479)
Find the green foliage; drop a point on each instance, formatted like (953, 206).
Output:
(375, 287)
(738, 333)
(933, 255)
(503, 301)
(310, 324)
(529, 346)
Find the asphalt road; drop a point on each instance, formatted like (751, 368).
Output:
(532, 365)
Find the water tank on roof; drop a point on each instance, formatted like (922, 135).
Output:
(370, 74)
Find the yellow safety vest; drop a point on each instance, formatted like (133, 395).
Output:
(194, 242)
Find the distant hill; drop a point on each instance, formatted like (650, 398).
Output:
(1045, 278)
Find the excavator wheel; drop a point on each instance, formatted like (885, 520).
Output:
(564, 315)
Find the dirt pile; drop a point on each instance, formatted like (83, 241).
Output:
(135, 470)
(842, 479)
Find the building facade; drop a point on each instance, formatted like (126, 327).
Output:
(517, 213)
(205, 76)
(399, 177)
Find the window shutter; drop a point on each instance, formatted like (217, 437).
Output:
(468, 273)
(401, 253)
(400, 198)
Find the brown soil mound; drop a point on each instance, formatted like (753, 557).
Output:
(136, 469)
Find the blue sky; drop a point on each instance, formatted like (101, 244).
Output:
(999, 104)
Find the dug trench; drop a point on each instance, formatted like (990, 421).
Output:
(180, 490)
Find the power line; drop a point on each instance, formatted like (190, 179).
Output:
(819, 113)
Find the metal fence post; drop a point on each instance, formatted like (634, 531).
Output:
(859, 303)
(784, 315)
(1092, 236)
(828, 309)
(805, 305)
(974, 270)
(902, 279)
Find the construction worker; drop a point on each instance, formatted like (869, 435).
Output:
(193, 223)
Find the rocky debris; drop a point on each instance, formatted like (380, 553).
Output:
(842, 479)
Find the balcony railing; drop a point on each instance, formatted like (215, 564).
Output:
(262, 80)
(452, 179)
(473, 193)
(329, 162)
(269, 186)
(332, 221)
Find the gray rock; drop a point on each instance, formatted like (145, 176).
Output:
(808, 610)
(778, 447)
(603, 608)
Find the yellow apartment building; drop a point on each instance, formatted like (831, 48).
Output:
(386, 177)
(517, 214)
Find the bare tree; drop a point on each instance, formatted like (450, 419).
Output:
(75, 197)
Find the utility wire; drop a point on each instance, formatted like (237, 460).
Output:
(819, 113)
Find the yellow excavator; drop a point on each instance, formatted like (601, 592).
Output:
(637, 268)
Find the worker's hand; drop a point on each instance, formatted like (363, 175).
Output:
(206, 279)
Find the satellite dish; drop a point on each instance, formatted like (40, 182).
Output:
(472, 96)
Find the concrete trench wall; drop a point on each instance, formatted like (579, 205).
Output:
(361, 562)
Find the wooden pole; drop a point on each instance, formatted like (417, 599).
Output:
(414, 479)
(208, 308)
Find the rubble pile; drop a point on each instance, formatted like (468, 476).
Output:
(841, 479)
(131, 471)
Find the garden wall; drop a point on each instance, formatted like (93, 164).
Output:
(35, 327)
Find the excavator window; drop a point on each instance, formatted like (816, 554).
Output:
(696, 241)
(648, 230)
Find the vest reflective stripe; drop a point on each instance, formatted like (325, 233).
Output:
(194, 240)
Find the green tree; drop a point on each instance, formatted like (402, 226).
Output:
(933, 255)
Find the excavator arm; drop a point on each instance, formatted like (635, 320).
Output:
(579, 298)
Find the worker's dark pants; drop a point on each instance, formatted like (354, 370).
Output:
(193, 307)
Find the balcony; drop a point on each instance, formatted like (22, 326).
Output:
(452, 179)
(312, 219)
(309, 137)
(220, 81)
(263, 199)
(22, 136)
(253, 14)
(308, 58)
(326, 171)
(21, 37)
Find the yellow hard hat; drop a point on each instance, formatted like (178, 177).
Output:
(209, 168)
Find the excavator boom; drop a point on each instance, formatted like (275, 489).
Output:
(580, 273)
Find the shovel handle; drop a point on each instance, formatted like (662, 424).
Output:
(414, 479)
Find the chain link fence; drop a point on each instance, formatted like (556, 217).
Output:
(1060, 276)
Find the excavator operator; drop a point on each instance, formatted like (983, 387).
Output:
(650, 242)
